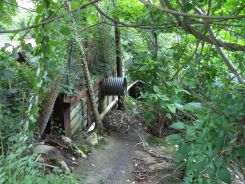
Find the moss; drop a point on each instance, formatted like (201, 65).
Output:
(169, 150)
(155, 140)
(84, 148)
(101, 143)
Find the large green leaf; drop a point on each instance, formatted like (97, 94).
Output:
(65, 30)
(178, 125)
(144, 68)
(156, 89)
(149, 116)
(224, 175)
(75, 5)
(7, 73)
(182, 153)
(171, 107)
(39, 8)
(174, 139)
(193, 106)
(241, 152)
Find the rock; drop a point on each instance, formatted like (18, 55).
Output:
(45, 149)
(93, 139)
(64, 166)
(145, 157)
(163, 167)
(66, 139)
(51, 154)
(48, 153)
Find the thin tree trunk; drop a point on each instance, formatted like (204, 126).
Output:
(118, 56)
(154, 41)
(86, 71)
(155, 45)
(118, 59)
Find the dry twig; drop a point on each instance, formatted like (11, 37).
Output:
(151, 150)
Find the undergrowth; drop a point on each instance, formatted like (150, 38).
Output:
(17, 165)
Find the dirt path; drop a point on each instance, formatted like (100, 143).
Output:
(111, 164)
(121, 160)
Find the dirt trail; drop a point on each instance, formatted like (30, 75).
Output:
(111, 164)
(116, 161)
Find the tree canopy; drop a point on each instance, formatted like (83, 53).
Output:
(190, 55)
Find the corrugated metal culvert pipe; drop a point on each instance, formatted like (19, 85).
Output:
(115, 86)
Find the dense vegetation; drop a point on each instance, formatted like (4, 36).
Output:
(190, 55)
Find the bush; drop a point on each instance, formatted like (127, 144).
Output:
(212, 149)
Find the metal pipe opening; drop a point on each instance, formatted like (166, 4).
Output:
(114, 86)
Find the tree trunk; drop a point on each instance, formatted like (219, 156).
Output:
(155, 45)
(86, 71)
(119, 62)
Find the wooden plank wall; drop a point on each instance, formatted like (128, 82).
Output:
(80, 108)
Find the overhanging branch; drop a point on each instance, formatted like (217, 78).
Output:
(49, 20)
(191, 30)
(149, 26)
(171, 11)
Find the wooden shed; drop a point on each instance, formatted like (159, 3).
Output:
(74, 112)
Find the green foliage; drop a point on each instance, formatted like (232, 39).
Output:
(174, 138)
(178, 125)
(8, 9)
(213, 142)
(192, 106)
(155, 140)
(131, 105)
(18, 166)
(101, 49)
(209, 143)
(160, 94)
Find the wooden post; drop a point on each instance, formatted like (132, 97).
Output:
(102, 103)
(67, 120)
(102, 100)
